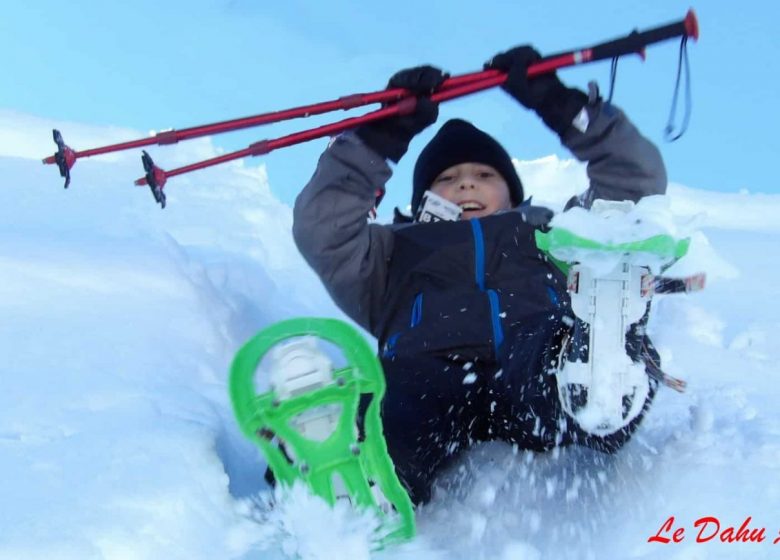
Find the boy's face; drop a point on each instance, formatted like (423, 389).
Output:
(477, 188)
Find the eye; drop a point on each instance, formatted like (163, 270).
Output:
(486, 174)
(442, 179)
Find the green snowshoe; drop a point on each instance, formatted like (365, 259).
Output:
(318, 424)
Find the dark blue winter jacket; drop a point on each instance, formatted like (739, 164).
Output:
(458, 285)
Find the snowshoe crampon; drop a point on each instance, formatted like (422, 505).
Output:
(603, 383)
(319, 424)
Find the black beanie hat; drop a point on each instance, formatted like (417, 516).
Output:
(459, 141)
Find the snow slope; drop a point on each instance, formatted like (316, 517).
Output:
(119, 321)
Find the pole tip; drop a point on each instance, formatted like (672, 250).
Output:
(692, 25)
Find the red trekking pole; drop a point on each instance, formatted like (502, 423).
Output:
(403, 102)
(66, 157)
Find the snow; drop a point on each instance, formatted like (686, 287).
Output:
(119, 322)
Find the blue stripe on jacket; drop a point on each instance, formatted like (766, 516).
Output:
(479, 272)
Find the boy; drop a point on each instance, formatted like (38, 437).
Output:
(469, 314)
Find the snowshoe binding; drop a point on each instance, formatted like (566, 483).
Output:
(606, 364)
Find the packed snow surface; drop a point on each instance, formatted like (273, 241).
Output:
(119, 322)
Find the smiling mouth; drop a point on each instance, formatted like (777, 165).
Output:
(471, 206)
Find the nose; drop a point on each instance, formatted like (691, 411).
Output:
(466, 185)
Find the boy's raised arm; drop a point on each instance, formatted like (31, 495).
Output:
(330, 218)
(332, 232)
(622, 164)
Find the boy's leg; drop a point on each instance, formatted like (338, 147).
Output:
(427, 418)
(526, 410)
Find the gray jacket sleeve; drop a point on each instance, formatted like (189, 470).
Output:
(622, 164)
(331, 229)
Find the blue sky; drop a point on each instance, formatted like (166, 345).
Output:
(155, 65)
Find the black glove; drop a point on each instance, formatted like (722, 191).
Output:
(390, 137)
(556, 104)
